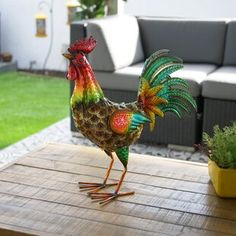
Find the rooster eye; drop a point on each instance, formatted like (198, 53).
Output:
(81, 60)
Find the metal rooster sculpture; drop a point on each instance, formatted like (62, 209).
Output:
(114, 127)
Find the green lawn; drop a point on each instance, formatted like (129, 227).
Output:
(28, 103)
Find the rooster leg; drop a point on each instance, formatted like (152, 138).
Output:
(105, 198)
(95, 187)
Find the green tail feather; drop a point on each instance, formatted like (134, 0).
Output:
(183, 104)
(165, 72)
(184, 95)
(175, 81)
(174, 110)
(179, 105)
(160, 63)
(157, 70)
(154, 57)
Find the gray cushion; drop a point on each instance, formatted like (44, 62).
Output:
(118, 42)
(230, 46)
(123, 79)
(221, 84)
(192, 40)
(194, 74)
(128, 78)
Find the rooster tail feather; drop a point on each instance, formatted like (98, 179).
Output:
(159, 92)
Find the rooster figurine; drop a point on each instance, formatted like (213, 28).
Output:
(114, 127)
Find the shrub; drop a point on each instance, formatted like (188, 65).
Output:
(221, 148)
(91, 9)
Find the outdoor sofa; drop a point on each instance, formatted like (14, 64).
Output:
(207, 47)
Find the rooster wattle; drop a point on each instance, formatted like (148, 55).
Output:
(114, 127)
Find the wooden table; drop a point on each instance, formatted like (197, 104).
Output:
(39, 195)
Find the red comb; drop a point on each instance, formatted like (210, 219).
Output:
(85, 45)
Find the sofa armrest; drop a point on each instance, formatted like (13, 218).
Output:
(77, 30)
(118, 41)
(230, 45)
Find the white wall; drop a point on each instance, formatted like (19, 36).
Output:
(182, 8)
(18, 24)
(18, 33)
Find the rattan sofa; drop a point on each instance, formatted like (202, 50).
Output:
(209, 52)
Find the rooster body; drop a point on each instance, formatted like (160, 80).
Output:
(93, 122)
(114, 127)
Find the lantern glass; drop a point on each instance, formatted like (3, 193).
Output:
(71, 14)
(71, 10)
(40, 25)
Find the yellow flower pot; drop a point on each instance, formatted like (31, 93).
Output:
(224, 180)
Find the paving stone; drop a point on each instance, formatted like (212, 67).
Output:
(8, 66)
(60, 132)
(199, 157)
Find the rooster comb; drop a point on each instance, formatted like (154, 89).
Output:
(85, 45)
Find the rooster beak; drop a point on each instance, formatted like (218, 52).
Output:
(68, 56)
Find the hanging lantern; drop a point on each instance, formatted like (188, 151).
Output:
(40, 25)
(71, 10)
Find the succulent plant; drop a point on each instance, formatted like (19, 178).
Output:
(221, 147)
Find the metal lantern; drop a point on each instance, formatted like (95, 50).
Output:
(71, 10)
(40, 25)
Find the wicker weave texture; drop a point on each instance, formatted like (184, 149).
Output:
(218, 112)
(170, 130)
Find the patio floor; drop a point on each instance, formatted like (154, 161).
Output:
(60, 133)
(8, 66)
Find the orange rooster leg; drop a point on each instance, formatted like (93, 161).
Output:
(95, 187)
(105, 198)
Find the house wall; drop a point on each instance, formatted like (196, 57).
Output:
(182, 8)
(18, 33)
(18, 24)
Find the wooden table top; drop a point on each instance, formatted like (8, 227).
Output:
(39, 195)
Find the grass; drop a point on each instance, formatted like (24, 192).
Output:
(29, 103)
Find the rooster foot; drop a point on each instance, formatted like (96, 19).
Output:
(105, 198)
(94, 187)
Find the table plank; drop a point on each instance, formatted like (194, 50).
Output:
(68, 182)
(40, 191)
(144, 212)
(95, 171)
(165, 167)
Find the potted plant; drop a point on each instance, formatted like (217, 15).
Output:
(221, 150)
(91, 9)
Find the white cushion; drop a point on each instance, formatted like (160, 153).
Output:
(221, 84)
(128, 78)
(118, 43)
(194, 74)
(124, 79)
